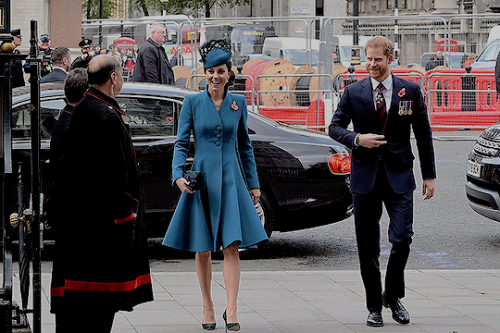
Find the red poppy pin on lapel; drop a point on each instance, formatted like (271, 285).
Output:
(402, 92)
(234, 106)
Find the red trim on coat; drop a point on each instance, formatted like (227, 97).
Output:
(131, 216)
(57, 291)
(110, 287)
(125, 219)
(105, 102)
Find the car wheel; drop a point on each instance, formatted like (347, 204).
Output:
(266, 214)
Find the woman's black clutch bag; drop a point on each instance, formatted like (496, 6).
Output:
(195, 178)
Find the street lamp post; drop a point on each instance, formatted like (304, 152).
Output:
(164, 2)
(355, 51)
(396, 28)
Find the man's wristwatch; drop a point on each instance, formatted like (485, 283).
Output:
(356, 140)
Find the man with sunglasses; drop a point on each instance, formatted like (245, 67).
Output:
(45, 51)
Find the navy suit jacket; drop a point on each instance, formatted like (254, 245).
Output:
(357, 105)
(57, 75)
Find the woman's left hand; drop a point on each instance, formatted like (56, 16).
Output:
(255, 195)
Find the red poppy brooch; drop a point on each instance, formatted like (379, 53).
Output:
(234, 106)
(402, 92)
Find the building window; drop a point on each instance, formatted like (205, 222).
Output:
(402, 4)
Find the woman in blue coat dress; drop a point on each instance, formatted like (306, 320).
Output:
(222, 212)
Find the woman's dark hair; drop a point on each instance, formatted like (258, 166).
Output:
(75, 85)
(100, 74)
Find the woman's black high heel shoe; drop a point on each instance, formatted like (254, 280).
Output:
(230, 326)
(208, 326)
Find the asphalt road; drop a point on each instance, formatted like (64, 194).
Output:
(448, 233)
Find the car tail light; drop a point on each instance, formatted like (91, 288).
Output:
(340, 164)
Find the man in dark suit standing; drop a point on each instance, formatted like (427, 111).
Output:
(61, 58)
(384, 109)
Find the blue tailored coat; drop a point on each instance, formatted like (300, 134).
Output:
(407, 112)
(221, 212)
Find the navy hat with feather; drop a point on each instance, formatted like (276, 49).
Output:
(214, 53)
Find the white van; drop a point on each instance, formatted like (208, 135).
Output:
(494, 34)
(290, 48)
(345, 47)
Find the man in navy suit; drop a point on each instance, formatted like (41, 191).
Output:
(61, 58)
(384, 109)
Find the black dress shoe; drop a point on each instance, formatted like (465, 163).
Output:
(399, 313)
(375, 319)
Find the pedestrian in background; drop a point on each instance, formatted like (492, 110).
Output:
(75, 86)
(152, 64)
(221, 213)
(470, 59)
(104, 262)
(17, 68)
(87, 54)
(45, 51)
(61, 58)
(384, 110)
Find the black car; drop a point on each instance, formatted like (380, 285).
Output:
(299, 189)
(483, 174)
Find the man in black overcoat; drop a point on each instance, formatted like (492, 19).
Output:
(56, 205)
(104, 263)
(152, 64)
(384, 111)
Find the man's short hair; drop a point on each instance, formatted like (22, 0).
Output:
(100, 75)
(383, 42)
(156, 27)
(76, 84)
(58, 54)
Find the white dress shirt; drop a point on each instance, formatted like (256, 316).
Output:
(387, 92)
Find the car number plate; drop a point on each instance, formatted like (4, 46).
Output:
(474, 169)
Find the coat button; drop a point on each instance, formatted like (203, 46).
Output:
(218, 135)
(217, 143)
(218, 128)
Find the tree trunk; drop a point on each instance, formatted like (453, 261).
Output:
(144, 7)
(207, 10)
(88, 9)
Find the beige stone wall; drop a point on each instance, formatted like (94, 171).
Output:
(23, 11)
(65, 22)
(60, 18)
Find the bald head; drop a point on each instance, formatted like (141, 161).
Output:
(101, 67)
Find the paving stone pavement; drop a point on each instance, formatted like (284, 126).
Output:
(439, 301)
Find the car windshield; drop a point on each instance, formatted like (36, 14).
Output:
(249, 39)
(299, 57)
(490, 53)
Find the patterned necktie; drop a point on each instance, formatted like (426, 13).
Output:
(380, 100)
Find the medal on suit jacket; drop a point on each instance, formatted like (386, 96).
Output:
(405, 108)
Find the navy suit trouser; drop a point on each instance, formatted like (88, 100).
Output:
(367, 213)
